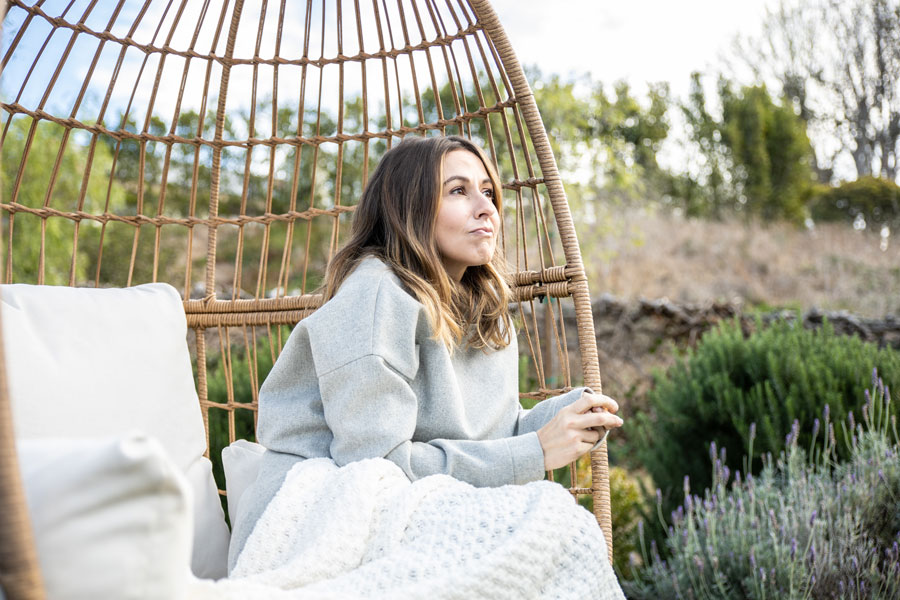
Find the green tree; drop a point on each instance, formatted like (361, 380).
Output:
(605, 143)
(756, 157)
(839, 61)
(74, 186)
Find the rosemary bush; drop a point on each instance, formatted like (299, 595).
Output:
(778, 374)
(807, 526)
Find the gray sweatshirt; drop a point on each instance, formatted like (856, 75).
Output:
(361, 378)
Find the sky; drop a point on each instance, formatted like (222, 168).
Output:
(640, 41)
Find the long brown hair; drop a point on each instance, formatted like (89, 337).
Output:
(395, 221)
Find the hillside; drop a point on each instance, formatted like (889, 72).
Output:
(633, 253)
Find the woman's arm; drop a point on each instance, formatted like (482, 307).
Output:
(372, 410)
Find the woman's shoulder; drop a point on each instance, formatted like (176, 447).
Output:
(371, 313)
(373, 284)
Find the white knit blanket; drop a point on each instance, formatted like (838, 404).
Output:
(365, 531)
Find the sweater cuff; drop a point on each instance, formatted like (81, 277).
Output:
(527, 458)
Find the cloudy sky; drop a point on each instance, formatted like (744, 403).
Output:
(641, 40)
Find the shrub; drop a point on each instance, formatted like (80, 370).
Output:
(877, 200)
(774, 376)
(625, 499)
(236, 380)
(807, 527)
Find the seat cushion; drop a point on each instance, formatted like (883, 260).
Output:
(86, 362)
(240, 460)
(111, 517)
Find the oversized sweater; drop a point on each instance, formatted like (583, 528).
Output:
(362, 378)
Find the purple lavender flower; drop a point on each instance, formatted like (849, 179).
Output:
(753, 430)
(851, 420)
(793, 547)
(752, 558)
(826, 413)
(699, 563)
(815, 427)
(712, 452)
(812, 519)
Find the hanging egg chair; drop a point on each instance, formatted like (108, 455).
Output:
(221, 145)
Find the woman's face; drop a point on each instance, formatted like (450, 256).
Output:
(467, 223)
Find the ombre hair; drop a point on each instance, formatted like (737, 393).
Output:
(395, 222)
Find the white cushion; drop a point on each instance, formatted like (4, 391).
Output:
(211, 535)
(124, 527)
(240, 461)
(87, 362)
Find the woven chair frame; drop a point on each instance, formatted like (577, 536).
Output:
(220, 146)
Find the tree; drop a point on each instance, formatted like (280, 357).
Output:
(64, 189)
(757, 156)
(606, 144)
(839, 62)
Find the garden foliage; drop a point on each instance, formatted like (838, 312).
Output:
(778, 374)
(235, 375)
(808, 526)
(874, 199)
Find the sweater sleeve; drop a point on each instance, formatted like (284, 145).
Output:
(371, 410)
(530, 420)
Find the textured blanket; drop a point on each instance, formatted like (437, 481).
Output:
(365, 531)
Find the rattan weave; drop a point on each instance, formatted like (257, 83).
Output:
(220, 145)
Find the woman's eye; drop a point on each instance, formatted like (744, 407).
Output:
(458, 190)
(488, 192)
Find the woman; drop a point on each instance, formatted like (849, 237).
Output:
(413, 357)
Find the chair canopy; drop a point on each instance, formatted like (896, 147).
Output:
(220, 145)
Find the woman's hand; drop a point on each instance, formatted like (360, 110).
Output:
(576, 428)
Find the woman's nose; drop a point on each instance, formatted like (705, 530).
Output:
(485, 206)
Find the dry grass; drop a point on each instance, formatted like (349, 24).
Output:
(642, 252)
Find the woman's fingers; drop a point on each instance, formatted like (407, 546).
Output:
(591, 401)
(590, 436)
(601, 418)
(577, 428)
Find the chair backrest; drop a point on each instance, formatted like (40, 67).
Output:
(220, 146)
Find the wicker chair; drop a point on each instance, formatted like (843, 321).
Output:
(134, 139)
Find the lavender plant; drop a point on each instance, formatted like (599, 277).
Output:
(807, 526)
